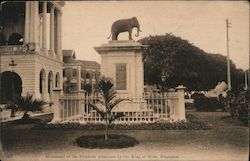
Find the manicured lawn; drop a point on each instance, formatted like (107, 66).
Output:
(224, 142)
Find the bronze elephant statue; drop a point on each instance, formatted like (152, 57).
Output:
(124, 25)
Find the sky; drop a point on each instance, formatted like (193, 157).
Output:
(86, 24)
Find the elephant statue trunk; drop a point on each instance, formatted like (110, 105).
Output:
(138, 30)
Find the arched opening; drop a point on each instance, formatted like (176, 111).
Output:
(57, 81)
(50, 82)
(15, 39)
(11, 86)
(42, 81)
(12, 21)
(2, 39)
(87, 75)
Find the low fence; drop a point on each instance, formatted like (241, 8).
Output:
(149, 107)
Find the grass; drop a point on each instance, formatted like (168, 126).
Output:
(223, 142)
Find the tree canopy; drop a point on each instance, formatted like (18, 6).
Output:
(183, 63)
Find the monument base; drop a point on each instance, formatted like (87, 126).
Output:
(121, 60)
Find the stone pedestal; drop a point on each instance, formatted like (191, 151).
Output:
(56, 106)
(122, 61)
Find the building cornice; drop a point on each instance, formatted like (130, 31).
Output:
(58, 5)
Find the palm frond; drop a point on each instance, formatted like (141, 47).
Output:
(104, 85)
(101, 101)
(109, 94)
(109, 98)
(102, 113)
(37, 105)
(27, 103)
(116, 102)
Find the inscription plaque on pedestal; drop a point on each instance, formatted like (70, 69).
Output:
(121, 83)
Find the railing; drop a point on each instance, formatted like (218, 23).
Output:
(12, 48)
(148, 108)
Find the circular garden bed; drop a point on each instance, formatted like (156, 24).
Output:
(113, 142)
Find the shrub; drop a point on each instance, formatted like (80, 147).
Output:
(186, 97)
(189, 105)
(205, 104)
(196, 95)
(192, 123)
(237, 103)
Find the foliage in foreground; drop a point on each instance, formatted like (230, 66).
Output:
(206, 104)
(27, 104)
(238, 104)
(115, 141)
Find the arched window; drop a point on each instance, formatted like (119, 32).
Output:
(50, 82)
(42, 79)
(10, 86)
(2, 39)
(57, 80)
(15, 39)
(87, 75)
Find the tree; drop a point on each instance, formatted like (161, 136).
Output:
(108, 93)
(184, 64)
(26, 104)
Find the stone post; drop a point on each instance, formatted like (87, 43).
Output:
(170, 102)
(56, 105)
(180, 109)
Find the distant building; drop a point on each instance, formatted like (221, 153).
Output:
(30, 48)
(79, 75)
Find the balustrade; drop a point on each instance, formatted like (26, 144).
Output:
(148, 108)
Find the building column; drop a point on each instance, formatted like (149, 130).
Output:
(34, 22)
(44, 32)
(52, 29)
(58, 34)
(27, 21)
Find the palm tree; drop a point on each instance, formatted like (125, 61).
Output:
(108, 93)
(27, 103)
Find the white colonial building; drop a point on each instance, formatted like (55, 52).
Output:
(30, 48)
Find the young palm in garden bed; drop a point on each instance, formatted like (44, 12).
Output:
(108, 93)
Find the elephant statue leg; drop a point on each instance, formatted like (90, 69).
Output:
(130, 34)
(114, 36)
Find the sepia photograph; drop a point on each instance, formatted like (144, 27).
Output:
(124, 80)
